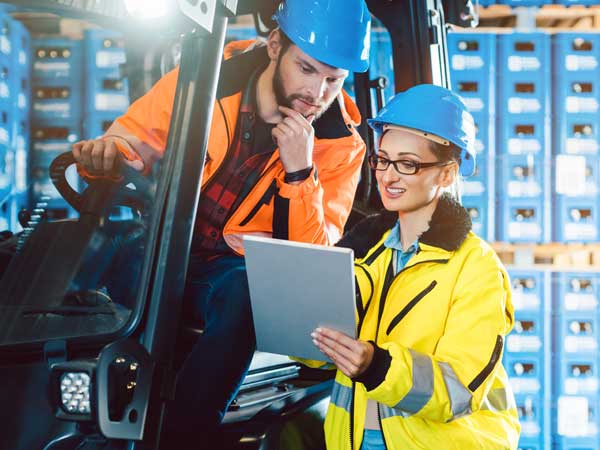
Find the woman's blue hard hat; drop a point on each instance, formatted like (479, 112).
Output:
(434, 110)
(334, 32)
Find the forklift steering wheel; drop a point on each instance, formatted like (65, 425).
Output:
(136, 199)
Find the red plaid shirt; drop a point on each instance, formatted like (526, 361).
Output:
(236, 177)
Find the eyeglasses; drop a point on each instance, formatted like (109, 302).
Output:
(402, 166)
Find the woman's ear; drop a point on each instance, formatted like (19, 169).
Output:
(449, 174)
(274, 45)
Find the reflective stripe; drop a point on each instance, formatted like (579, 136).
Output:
(422, 384)
(341, 396)
(460, 396)
(386, 411)
(499, 400)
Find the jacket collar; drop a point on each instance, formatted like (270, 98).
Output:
(448, 228)
(239, 67)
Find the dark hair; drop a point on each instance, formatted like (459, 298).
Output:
(285, 41)
(445, 153)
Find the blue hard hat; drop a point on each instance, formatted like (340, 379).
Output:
(434, 110)
(334, 32)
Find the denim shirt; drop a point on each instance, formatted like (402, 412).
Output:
(400, 257)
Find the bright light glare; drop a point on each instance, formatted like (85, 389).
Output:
(147, 9)
(75, 392)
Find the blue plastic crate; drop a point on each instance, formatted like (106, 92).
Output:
(477, 185)
(577, 94)
(522, 135)
(476, 89)
(522, 2)
(522, 176)
(56, 99)
(576, 375)
(22, 143)
(527, 53)
(577, 219)
(57, 59)
(95, 125)
(20, 77)
(485, 142)
(478, 210)
(530, 290)
(531, 411)
(523, 93)
(528, 334)
(525, 373)
(57, 138)
(522, 220)
(105, 88)
(576, 333)
(577, 292)
(577, 53)
(5, 172)
(577, 2)
(577, 134)
(530, 444)
(472, 69)
(472, 52)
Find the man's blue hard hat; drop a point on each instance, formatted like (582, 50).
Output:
(434, 110)
(334, 32)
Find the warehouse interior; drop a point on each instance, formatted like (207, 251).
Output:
(530, 75)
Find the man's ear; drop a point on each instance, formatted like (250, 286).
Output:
(274, 45)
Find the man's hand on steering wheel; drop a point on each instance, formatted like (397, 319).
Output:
(101, 157)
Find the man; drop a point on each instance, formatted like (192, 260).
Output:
(283, 160)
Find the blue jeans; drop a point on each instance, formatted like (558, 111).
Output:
(216, 295)
(372, 440)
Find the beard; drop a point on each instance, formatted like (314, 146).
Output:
(286, 100)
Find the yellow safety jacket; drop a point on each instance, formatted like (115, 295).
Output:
(439, 328)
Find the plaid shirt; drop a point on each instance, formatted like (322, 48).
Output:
(238, 174)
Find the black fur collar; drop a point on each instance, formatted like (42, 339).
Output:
(448, 228)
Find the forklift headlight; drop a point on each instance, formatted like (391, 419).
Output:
(75, 392)
(72, 388)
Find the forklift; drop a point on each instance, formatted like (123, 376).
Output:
(88, 360)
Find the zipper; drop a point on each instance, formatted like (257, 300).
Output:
(264, 200)
(256, 207)
(396, 320)
(362, 312)
(352, 418)
(381, 426)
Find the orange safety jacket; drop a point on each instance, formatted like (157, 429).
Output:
(315, 210)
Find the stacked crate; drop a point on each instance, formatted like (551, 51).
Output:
(106, 90)
(527, 357)
(523, 137)
(472, 59)
(6, 154)
(21, 103)
(576, 360)
(576, 119)
(57, 116)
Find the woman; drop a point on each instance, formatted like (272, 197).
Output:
(433, 302)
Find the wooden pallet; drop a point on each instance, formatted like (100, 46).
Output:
(553, 17)
(553, 256)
